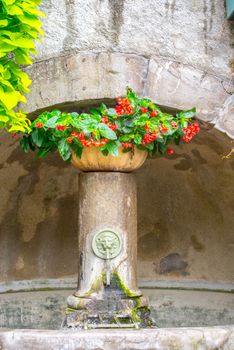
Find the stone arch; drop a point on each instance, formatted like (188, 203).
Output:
(90, 76)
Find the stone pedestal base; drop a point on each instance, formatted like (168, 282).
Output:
(108, 312)
(107, 294)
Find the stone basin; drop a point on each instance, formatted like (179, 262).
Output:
(31, 314)
(210, 338)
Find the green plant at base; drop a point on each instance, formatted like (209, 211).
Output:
(134, 122)
(19, 27)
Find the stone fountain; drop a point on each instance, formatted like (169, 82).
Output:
(107, 294)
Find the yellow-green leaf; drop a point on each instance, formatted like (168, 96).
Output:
(11, 98)
(4, 118)
(3, 22)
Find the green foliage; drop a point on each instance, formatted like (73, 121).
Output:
(134, 122)
(19, 27)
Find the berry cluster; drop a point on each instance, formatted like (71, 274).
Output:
(190, 131)
(61, 127)
(123, 106)
(106, 120)
(133, 123)
(127, 145)
(148, 138)
(86, 142)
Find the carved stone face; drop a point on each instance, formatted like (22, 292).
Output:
(107, 244)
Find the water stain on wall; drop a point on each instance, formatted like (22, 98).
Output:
(197, 245)
(173, 263)
(116, 18)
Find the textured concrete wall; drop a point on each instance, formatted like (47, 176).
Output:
(174, 51)
(170, 308)
(185, 214)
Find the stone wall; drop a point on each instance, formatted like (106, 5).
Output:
(174, 51)
(185, 214)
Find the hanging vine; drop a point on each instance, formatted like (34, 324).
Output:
(19, 28)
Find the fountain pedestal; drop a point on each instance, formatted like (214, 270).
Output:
(107, 294)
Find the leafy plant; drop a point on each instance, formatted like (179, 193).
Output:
(19, 27)
(134, 122)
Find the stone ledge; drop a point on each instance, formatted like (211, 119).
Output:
(212, 338)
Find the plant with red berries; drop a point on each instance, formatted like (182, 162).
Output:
(134, 122)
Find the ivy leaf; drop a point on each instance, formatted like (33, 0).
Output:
(64, 149)
(105, 131)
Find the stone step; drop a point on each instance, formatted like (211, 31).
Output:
(202, 338)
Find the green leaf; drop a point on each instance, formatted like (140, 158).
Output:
(38, 137)
(191, 113)
(141, 120)
(113, 147)
(105, 131)
(78, 150)
(103, 109)
(51, 123)
(95, 111)
(126, 138)
(24, 144)
(111, 112)
(3, 22)
(137, 139)
(43, 152)
(64, 149)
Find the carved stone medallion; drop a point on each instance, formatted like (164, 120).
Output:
(107, 244)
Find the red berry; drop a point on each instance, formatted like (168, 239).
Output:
(119, 110)
(144, 110)
(174, 125)
(39, 125)
(69, 140)
(146, 127)
(126, 103)
(154, 114)
(113, 127)
(170, 151)
(104, 119)
(102, 143)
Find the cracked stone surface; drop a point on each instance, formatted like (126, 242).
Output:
(217, 338)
